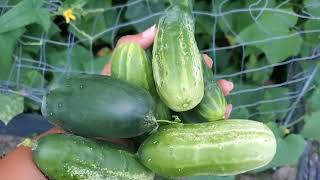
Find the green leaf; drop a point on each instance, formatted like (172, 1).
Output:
(289, 148)
(312, 7)
(8, 43)
(96, 65)
(244, 98)
(311, 128)
(211, 178)
(74, 3)
(234, 23)
(144, 9)
(32, 79)
(10, 106)
(271, 26)
(222, 59)
(241, 113)
(313, 103)
(204, 23)
(258, 76)
(25, 13)
(70, 59)
(91, 24)
(268, 111)
(36, 30)
(311, 40)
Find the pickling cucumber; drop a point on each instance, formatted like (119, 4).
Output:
(99, 106)
(176, 60)
(221, 148)
(213, 104)
(130, 63)
(70, 157)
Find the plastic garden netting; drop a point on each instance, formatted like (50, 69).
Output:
(269, 49)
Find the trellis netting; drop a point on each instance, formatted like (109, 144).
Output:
(269, 49)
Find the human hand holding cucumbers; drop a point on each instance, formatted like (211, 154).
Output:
(18, 164)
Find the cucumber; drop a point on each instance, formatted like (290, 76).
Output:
(213, 104)
(70, 157)
(99, 106)
(176, 61)
(218, 148)
(130, 63)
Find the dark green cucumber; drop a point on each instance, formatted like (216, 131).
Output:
(176, 61)
(69, 157)
(99, 106)
(213, 104)
(130, 63)
(221, 148)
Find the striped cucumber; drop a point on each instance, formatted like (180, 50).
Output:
(215, 148)
(176, 61)
(213, 104)
(130, 63)
(69, 157)
(99, 106)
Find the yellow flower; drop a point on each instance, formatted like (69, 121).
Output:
(68, 15)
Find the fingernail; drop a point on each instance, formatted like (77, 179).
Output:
(231, 85)
(149, 32)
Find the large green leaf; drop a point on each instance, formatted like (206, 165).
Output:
(311, 39)
(24, 13)
(241, 113)
(268, 110)
(259, 77)
(312, 7)
(312, 126)
(142, 10)
(8, 43)
(10, 106)
(69, 60)
(313, 103)
(204, 24)
(233, 23)
(247, 95)
(269, 27)
(289, 148)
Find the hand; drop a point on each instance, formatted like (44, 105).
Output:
(19, 165)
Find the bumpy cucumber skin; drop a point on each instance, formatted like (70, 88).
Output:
(99, 106)
(213, 104)
(130, 63)
(176, 61)
(69, 157)
(215, 148)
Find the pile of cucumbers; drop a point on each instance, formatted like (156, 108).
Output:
(137, 103)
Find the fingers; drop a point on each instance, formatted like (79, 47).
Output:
(107, 69)
(19, 165)
(228, 111)
(144, 39)
(208, 60)
(226, 86)
(54, 130)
